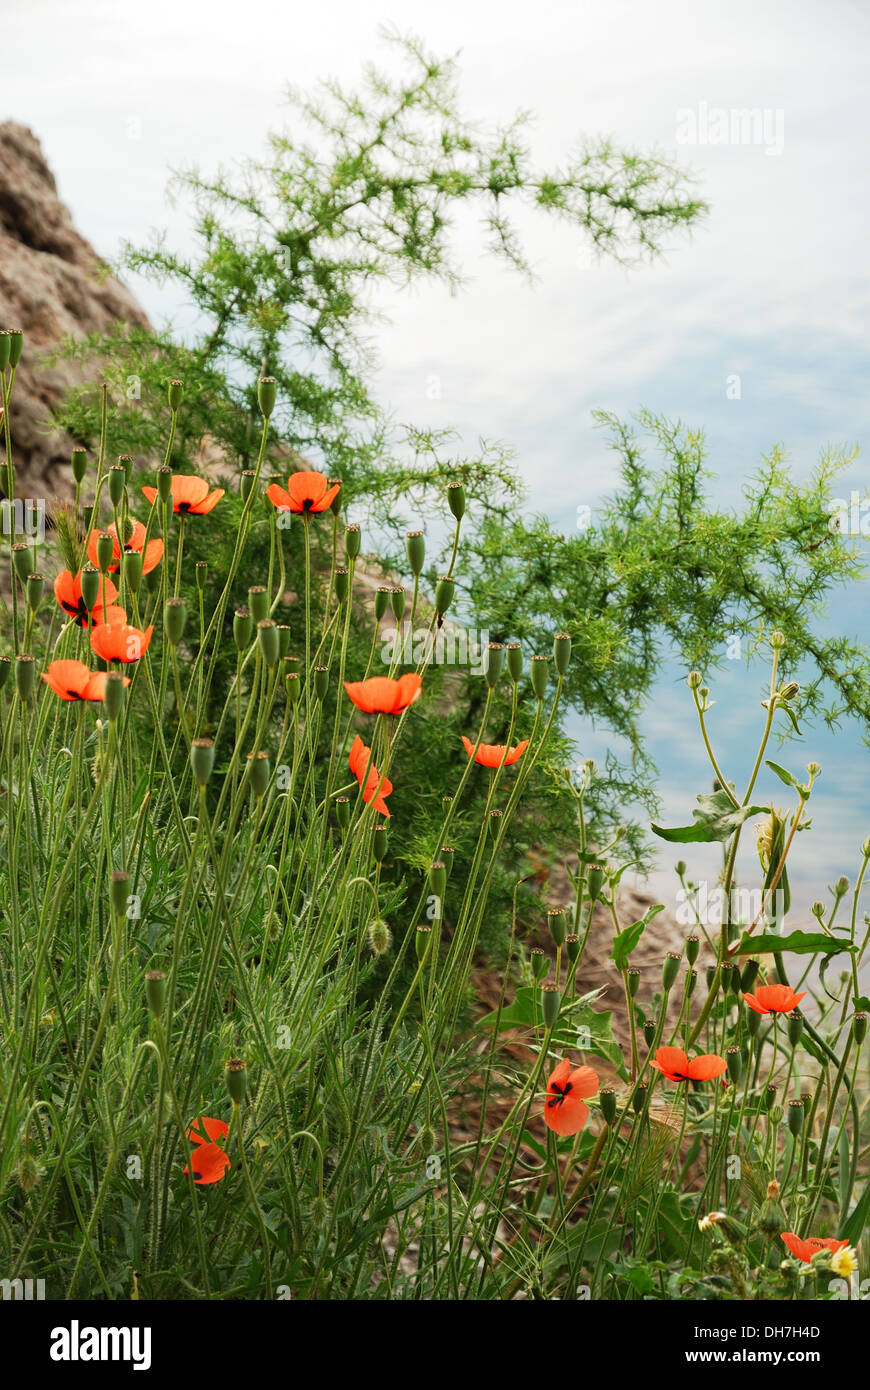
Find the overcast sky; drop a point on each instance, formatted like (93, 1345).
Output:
(772, 288)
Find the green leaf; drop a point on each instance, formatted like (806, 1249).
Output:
(715, 819)
(626, 941)
(800, 943)
(596, 1036)
(853, 1228)
(782, 773)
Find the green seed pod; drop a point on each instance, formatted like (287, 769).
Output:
(201, 572)
(293, 686)
(572, 947)
(174, 619)
(25, 675)
(258, 602)
(494, 663)
(595, 876)
(164, 483)
(5, 670)
(693, 946)
(438, 878)
(710, 974)
(236, 1074)
(447, 854)
(243, 628)
(119, 892)
(422, 942)
(795, 1026)
(734, 1059)
(105, 551)
(125, 461)
(270, 642)
(22, 559)
(551, 1003)
(131, 563)
(397, 602)
(267, 394)
(795, 1117)
(649, 1031)
(607, 1101)
(342, 812)
(113, 698)
(34, 589)
(284, 634)
(514, 660)
(335, 504)
(859, 1027)
(539, 963)
(753, 1022)
(246, 483)
(456, 499)
(379, 842)
(380, 937)
(561, 652)
(260, 771)
(748, 975)
(382, 599)
(633, 976)
(352, 540)
(5, 348)
(495, 818)
(202, 760)
(669, 969)
(342, 584)
(444, 591)
(79, 461)
(557, 925)
(540, 676)
(321, 682)
(769, 1096)
(640, 1097)
(175, 393)
(730, 978)
(90, 582)
(16, 346)
(155, 991)
(691, 982)
(415, 547)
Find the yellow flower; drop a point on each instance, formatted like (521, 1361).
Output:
(844, 1262)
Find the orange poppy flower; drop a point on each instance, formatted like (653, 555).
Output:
(210, 1163)
(673, 1063)
(68, 592)
(359, 760)
(492, 754)
(116, 640)
(189, 495)
(151, 551)
(564, 1111)
(306, 491)
(774, 999)
(72, 680)
(381, 695)
(805, 1249)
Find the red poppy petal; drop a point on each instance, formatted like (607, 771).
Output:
(706, 1067)
(209, 1163)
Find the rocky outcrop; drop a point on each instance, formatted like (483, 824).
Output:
(53, 285)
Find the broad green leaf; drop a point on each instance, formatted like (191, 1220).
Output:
(716, 819)
(782, 773)
(800, 943)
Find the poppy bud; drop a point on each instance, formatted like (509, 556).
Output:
(447, 853)
(113, 697)
(415, 546)
(174, 619)
(572, 947)
(236, 1074)
(796, 1117)
(175, 393)
(16, 346)
(342, 582)
(382, 599)
(640, 1097)
(284, 633)
(397, 602)
(456, 499)
(795, 1026)
(155, 991)
(551, 1003)
(246, 483)
(514, 660)
(258, 602)
(859, 1027)
(5, 348)
(557, 925)
(335, 504)
(342, 812)
(694, 679)
(649, 1031)
(438, 878)
(131, 562)
(25, 675)
(494, 663)
(164, 483)
(693, 945)
(293, 686)
(79, 461)
(379, 842)
(119, 891)
(691, 982)
(633, 976)
(748, 975)
(422, 941)
(267, 394)
(380, 937)
(540, 675)
(201, 572)
(5, 669)
(539, 963)
(34, 589)
(270, 643)
(352, 540)
(595, 875)
(495, 823)
(22, 560)
(444, 591)
(105, 551)
(670, 967)
(607, 1101)
(561, 652)
(243, 627)
(260, 772)
(321, 681)
(769, 1096)
(202, 760)
(734, 1058)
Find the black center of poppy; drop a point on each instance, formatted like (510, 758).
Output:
(73, 694)
(308, 504)
(183, 507)
(561, 1093)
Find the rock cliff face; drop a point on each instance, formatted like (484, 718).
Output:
(52, 285)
